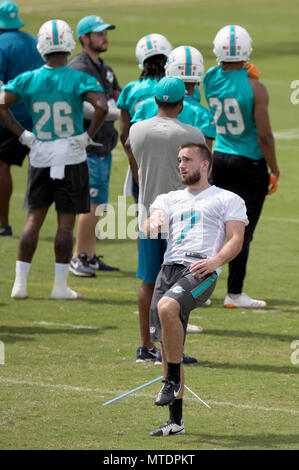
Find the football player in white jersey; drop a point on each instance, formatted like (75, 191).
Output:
(197, 221)
(58, 172)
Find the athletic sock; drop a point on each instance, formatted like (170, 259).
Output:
(61, 275)
(22, 270)
(60, 289)
(176, 411)
(173, 372)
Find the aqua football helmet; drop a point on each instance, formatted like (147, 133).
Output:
(150, 45)
(232, 44)
(187, 63)
(55, 36)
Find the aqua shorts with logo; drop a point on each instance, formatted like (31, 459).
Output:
(99, 177)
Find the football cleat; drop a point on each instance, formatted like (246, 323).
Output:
(243, 301)
(194, 328)
(169, 428)
(168, 392)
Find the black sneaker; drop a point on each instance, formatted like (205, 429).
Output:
(168, 392)
(6, 231)
(188, 360)
(96, 263)
(169, 428)
(80, 266)
(145, 355)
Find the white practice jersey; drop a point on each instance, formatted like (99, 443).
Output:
(196, 221)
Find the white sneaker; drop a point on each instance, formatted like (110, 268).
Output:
(169, 428)
(67, 294)
(207, 303)
(194, 328)
(242, 301)
(19, 292)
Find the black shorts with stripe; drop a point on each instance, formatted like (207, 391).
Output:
(176, 281)
(70, 194)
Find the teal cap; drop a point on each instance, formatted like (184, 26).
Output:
(170, 90)
(9, 16)
(92, 23)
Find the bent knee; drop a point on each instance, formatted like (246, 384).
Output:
(168, 307)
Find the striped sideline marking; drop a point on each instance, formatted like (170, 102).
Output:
(115, 392)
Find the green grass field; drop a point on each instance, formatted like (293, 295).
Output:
(64, 359)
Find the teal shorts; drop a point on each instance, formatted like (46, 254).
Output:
(99, 177)
(150, 258)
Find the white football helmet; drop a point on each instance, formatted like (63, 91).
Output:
(55, 36)
(187, 63)
(232, 44)
(150, 45)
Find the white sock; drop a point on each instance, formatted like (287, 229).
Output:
(60, 289)
(61, 275)
(20, 284)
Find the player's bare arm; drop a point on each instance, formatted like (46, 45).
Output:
(124, 125)
(132, 161)
(262, 120)
(100, 110)
(155, 224)
(235, 235)
(7, 99)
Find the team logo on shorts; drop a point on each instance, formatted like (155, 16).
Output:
(93, 192)
(177, 289)
(152, 330)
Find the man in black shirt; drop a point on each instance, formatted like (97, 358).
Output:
(92, 33)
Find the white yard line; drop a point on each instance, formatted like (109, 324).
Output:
(70, 388)
(79, 327)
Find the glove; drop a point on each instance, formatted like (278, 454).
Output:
(81, 141)
(253, 71)
(273, 183)
(27, 138)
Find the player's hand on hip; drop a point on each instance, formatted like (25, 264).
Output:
(274, 181)
(203, 267)
(81, 141)
(27, 138)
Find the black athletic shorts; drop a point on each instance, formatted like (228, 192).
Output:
(176, 281)
(70, 194)
(11, 149)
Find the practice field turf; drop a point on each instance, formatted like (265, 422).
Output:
(64, 359)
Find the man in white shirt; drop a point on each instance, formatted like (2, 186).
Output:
(197, 221)
(152, 148)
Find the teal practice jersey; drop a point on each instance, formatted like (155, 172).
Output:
(135, 93)
(54, 99)
(193, 113)
(230, 98)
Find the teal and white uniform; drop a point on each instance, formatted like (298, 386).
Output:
(193, 113)
(54, 99)
(230, 98)
(135, 93)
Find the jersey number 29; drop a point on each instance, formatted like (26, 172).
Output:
(231, 109)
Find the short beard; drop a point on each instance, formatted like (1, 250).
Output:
(191, 179)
